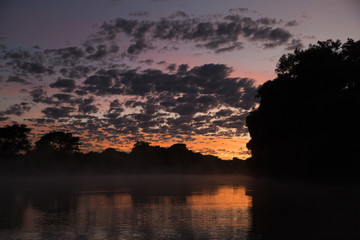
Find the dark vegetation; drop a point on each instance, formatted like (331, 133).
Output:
(58, 153)
(308, 123)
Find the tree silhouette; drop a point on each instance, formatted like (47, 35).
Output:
(140, 146)
(179, 147)
(58, 142)
(307, 123)
(14, 140)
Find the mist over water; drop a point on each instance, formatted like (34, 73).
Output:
(174, 207)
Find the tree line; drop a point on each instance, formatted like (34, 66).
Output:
(58, 152)
(307, 125)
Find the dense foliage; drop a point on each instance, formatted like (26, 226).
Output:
(308, 123)
(58, 142)
(13, 140)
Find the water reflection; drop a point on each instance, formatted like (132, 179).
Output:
(149, 207)
(224, 214)
(176, 207)
(304, 211)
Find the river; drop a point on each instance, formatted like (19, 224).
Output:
(175, 207)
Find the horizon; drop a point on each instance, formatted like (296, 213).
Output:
(115, 72)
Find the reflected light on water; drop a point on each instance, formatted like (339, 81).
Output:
(216, 212)
(224, 213)
(176, 207)
(224, 198)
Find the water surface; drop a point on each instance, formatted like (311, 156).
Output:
(175, 207)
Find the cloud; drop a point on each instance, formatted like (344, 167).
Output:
(56, 113)
(25, 64)
(147, 61)
(139, 46)
(217, 35)
(182, 69)
(115, 109)
(102, 83)
(295, 44)
(62, 97)
(18, 54)
(39, 95)
(164, 103)
(99, 81)
(73, 53)
(100, 53)
(77, 72)
(202, 100)
(185, 109)
(234, 46)
(33, 67)
(277, 36)
(2, 117)
(66, 85)
(292, 23)
(41, 121)
(179, 14)
(268, 21)
(223, 113)
(171, 67)
(238, 10)
(87, 106)
(16, 109)
(18, 79)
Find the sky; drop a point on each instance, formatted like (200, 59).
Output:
(114, 72)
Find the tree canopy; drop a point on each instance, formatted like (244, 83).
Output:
(14, 140)
(58, 142)
(307, 123)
